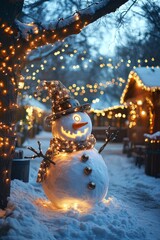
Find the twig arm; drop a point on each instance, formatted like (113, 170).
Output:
(109, 137)
(39, 154)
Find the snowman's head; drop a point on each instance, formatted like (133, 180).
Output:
(73, 127)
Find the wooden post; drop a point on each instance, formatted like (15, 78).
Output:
(156, 104)
(152, 161)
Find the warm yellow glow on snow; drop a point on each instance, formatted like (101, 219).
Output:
(69, 204)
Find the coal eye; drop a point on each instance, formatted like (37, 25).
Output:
(76, 118)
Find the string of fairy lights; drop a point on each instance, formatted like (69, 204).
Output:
(85, 62)
(7, 53)
(109, 62)
(32, 72)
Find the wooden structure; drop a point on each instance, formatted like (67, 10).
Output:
(115, 117)
(142, 97)
(112, 116)
(152, 160)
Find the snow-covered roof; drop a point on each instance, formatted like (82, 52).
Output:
(104, 103)
(154, 136)
(149, 76)
(146, 78)
(34, 103)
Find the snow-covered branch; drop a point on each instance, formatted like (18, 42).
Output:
(58, 30)
(42, 52)
(26, 29)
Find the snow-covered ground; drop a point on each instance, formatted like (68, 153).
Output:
(130, 211)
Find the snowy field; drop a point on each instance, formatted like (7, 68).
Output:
(131, 209)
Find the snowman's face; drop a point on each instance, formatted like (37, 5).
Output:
(73, 127)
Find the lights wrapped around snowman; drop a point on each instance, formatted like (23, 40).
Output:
(73, 173)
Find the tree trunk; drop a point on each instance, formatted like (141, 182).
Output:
(9, 53)
(7, 136)
(5, 172)
(8, 97)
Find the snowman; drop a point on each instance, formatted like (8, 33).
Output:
(73, 174)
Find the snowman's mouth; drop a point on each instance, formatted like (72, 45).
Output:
(74, 135)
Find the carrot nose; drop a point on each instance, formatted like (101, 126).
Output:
(79, 125)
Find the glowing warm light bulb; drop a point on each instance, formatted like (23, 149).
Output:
(143, 113)
(139, 102)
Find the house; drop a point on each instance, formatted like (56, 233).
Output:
(142, 97)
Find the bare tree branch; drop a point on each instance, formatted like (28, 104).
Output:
(123, 14)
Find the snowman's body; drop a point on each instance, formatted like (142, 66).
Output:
(79, 177)
(68, 184)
